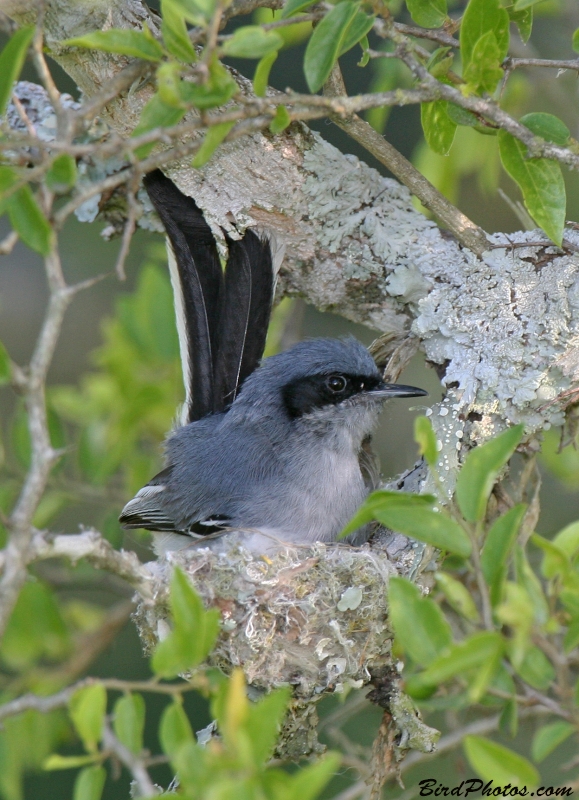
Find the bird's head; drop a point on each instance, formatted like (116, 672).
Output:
(326, 380)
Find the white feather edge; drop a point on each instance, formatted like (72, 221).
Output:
(181, 329)
(277, 247)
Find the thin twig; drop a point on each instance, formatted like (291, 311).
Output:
(135, 765)
(511, 63)
(7, 244)
(130, 224)
(452, 740)
(43, 455)
(44, 705)
(23, 115)
(46, 76)
(469, 234)
(484, 107)
(91, 546)
(424, 33)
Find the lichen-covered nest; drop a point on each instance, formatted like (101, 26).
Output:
(314, 617)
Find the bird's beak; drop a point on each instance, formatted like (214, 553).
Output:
(388, 390)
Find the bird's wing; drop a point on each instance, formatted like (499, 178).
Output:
(244, 315)
(148, 510)
(197, 279)
(145, 509)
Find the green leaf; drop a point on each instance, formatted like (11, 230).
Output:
(431, 527)
(357, 30)
(527, 578)
(479, 650)
(55, 761)
(87, 709)
(481, 17)
(127, 42)
(213, 138)
(170, 87)
(523, 20)
(89, 784)
(457, 596)
(12, 60)
(418, 622)
(480, 470)
(8, 179)
(550, 736)
(5, 366)
(252, 41)
(194, 634)
(28, 220)
(461, 116)
(567, 540)
(483, 71)
(439, 130)
(280, 121)
(294, 6)
(541, 182)
(425, 438)
(155, 114)
(380, 499)
(261, 75)
(219, 88)
(493, 762)
(230, 708)
(174, 729)
(499, 541)
(62, 174)
(265, 718)
(427, 13)
(129, 721)
(555, 561)
(571, 638)
(576, 41)
(326, 43)
(198, 12)
(536, 669)
(365, 46)
(548, 126)
(175, 34)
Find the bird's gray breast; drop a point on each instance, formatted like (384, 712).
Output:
(316, 489)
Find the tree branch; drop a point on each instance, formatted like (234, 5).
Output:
(43, 455)
(467, 233)
(91, 546)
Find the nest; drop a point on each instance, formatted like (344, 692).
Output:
(312, 617)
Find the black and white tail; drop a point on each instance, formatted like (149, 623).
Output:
(222, 317)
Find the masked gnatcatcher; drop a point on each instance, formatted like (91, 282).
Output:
(276, 449)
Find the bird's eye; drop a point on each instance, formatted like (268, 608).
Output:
(336, 383)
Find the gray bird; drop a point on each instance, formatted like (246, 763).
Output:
(276, 449)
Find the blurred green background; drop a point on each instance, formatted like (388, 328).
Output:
(98, 478)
